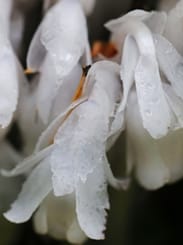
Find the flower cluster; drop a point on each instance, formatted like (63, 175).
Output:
(76, 104)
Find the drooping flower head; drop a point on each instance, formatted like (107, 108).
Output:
(151, 71)
(70, 156)
(58, 47)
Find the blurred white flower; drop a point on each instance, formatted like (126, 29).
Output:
(151, 71)
(58, 47)
(88, 5)
(10, 72)
(27, 114)
(59, 210)
(71, 157)
(175, 19)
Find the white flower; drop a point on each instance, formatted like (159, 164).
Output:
(76, 159)
(175, 18)
(59, 210)
(153, 101)
(27, 115)
(88, 5)
(10, 72)
(58, 47)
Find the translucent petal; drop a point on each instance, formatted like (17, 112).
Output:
(47, 89)
(171, 63)
(51, 98)
(48, 135)
(104, 75)
(62, 41)
(40, 220)
(151, 169)
(173, 31)
(154, 108)
(156, 21)
(128, 68)
(170, 148)
(91, 203)
(75, 235)
(66, 92)
(56, 217)
(176, 104)
(88, 6)
(76, 155)
(34, 190)
(8, 85)
(113, 181)
(28, 163)
(36, 52)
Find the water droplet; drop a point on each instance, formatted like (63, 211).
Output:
(150, 86)
(148, 112)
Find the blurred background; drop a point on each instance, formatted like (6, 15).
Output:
(136, 217)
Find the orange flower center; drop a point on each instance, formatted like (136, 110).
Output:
(107, 49)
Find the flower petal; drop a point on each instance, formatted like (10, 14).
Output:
(156, 21)
(48, 135)
(91, 203)
(76, 155)
(151, 169)
(170, 148)
(171, 63)
(8, 85)
(176, 105)
(28, 163)
(51, 99)
(60, 36)
(88, 6)
(175, 18)
(154, 108)
(36, 52)
(113, 181)
(34, 190)
(128, 68)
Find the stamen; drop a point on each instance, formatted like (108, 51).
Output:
(107, 49)
(29, 71)
(79, 89)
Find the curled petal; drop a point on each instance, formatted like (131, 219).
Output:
(28, 163)
(36, 52)
(153, 105)
(34, 190)
(156, 21)
(128, 68)
(113, 181)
